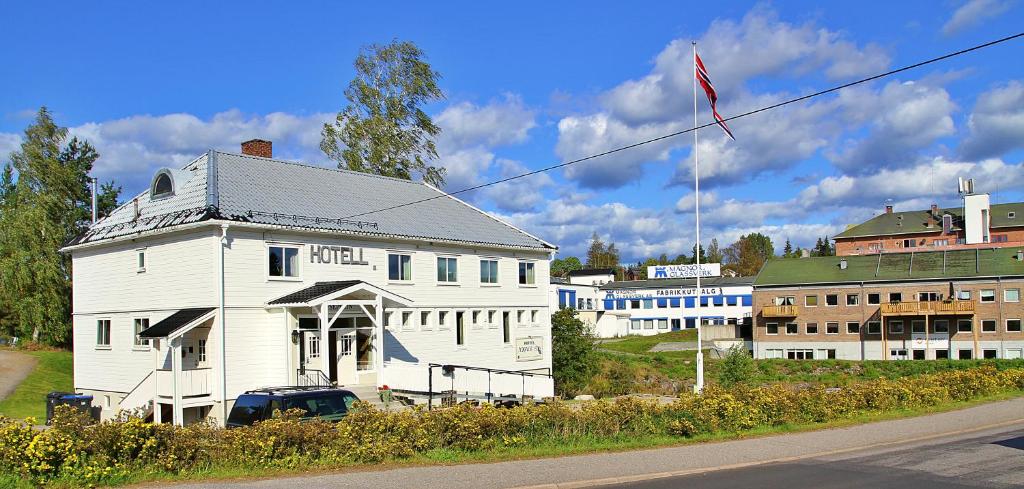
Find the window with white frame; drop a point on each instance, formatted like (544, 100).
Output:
(963, 295)
(831, 328)
(140, 260)
(442, 319)
(810, 301)
(1013, 325)
(506, 328)
(634, 324)
(460, 328)
(407, 320)
(987, 295)
(283, 261)
(853, 299)
(852, 327)
(964, 325)
(792, 328)
(447, 269)
(399, 267)
(103, 332)
(312, 346)
(663, 324)
(201, 352)
(811, 328)
(526, 273)
(988, 326)
(425, 320)
(786, 300)
(140, 324)
(1011, 295)
(895, 297)
(488, 271)
(772, 328)
(831, 299)
(648, 324)
(874, 298)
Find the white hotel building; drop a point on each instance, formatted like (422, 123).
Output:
(239, 271)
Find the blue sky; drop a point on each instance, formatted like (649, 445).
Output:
(529, 85)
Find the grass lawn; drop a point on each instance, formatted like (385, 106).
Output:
(53, 372)
(641, 344)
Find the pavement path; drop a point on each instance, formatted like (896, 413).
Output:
(624, 467)
(14, 367)
(982, 459)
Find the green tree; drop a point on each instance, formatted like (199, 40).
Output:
(737, 366)
(573, 352)
(561, 267)
(600, 255)
(714, 252)
(384, 129)
(787, 251)
(48, 204)
(747, 255)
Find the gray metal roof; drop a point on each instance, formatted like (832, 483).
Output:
(245, 188)
(662, 283)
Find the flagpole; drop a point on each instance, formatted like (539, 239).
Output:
(696, 207)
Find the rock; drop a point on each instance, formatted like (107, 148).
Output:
(583, 397)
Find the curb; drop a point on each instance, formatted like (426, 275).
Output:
(703, 470)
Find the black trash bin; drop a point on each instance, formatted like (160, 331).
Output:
(78, 401)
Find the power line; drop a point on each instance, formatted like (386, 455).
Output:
(685, 131)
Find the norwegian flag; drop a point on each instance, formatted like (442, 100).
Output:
(709, 89)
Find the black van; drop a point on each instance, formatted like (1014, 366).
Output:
(328, 404)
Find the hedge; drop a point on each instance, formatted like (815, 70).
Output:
(76, 451)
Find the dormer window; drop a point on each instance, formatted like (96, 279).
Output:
(163, 185)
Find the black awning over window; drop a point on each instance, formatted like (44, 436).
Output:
(174, 322)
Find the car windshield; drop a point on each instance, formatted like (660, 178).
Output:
(329, 405)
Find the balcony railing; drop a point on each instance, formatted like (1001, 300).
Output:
(921, 308)
(780, 311)
(192, 382)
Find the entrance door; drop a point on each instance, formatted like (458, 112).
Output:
(346, 357)
(332, 354)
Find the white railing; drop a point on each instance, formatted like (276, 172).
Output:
(476, 382)
(192, 382)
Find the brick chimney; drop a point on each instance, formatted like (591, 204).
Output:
(935, 209)
(888, 209)
(258, 147)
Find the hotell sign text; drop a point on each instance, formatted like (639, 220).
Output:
(337, 255)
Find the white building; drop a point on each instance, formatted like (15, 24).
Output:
(580, 291)
(649, 307)
(239, 271)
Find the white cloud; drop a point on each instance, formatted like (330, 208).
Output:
(997, 123)
(735, 52)
(131, 148)
(904, 118)
(760, 45)
(933, 180)
(498, 123)
(519, 195)
(588, 135)
(766, 142)
(973, 13)
(9, 143)
(685, 204)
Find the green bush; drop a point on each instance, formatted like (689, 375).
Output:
(737, 366)
(75, 451)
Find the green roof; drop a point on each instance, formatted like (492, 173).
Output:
(917, 221)
(987, 262)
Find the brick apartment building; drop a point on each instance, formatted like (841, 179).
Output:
(917, 305)
(976, 224)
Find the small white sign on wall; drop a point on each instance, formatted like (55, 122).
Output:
(529, 348)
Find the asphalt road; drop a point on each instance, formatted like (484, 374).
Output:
(995, 460)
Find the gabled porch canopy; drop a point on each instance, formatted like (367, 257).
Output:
(330, 300)
(179, 323)
(321, 292)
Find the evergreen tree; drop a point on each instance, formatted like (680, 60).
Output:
(787, 251)
(48, 204)
(714, 252)
(384, 129)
